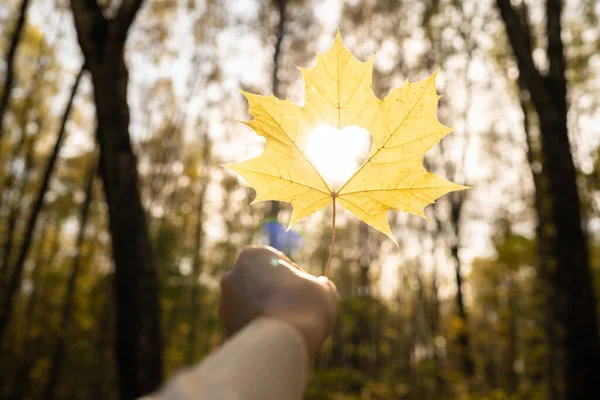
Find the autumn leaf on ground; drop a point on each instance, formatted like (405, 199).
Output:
(404, 126)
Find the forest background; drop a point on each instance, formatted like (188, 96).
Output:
(117, 219)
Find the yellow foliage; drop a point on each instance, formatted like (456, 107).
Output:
(404, 126)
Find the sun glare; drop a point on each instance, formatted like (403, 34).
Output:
(338, 153)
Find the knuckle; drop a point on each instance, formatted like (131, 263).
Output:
(225, 281)
(248, 254)
(256, 256)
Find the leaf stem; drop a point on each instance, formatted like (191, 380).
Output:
(332, 240)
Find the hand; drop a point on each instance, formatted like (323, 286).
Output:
(264, 282)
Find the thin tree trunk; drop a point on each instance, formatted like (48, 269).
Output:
(10, 64)
(33, 344)
(571, 277)
(58, 354)
(275, 81)
(22, 371)
(512, 378)
(434, 321)
(361, 336)
(463, 337)
(195, 300)
(415, 318)
(138, 345)
(364, 262)
(7, 185)
(456, 199)
(275, 206)
(8, 242)
(15, 210)
(104, 339)
(543, 244)
(36, 279)
(8, 181)
(15, 280)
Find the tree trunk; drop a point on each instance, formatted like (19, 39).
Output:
(7, 185)
(571, 275)
(15, 279)
(463, 339)
(10, 64)
(543, 244)
(195, 300)
(280, 35)
(138, 335)
(364, 261)
(363, 305)
(104, 341)
(36, 313)
(138, 346)
(14, 211)
(510, 356)
(58, 354)
(275, 206)
(29, 345)
(439, 390)
(9, 177)
(570, 272)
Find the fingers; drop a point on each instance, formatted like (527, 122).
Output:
(265, 252)
(323, 280)
(263, 265)
(258, 264)
(265, 282)
(283, 256)
(235, 311)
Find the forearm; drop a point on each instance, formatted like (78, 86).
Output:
(267, 360)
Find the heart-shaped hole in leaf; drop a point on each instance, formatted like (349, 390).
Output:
(337, 154)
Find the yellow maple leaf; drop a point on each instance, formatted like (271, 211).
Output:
(404, 126)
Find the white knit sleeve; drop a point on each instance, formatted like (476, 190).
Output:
(267, 360)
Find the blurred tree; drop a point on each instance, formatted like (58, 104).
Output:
(195, 308)
(569, 261)
(22, 109)
(281, 7)
(15, 278)
(544, 232)
(10, 64)
(452, 164)
(58, 357)
(288, 23)
(138, 348)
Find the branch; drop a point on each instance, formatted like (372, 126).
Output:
(10, 63)
(125, 16)
(524, 15)
(555, 52)
(282, 5)
(520, 43)
(36, 208)
(89, 21)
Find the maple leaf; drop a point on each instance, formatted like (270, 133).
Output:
(404, 126)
